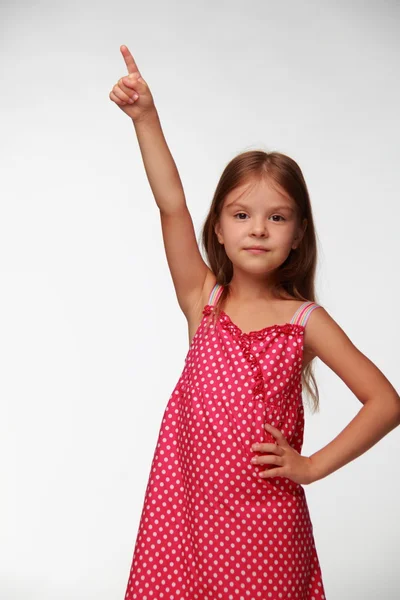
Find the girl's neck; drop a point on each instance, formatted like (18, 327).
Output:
(254, 294)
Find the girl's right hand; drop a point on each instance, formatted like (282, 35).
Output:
(123, 91)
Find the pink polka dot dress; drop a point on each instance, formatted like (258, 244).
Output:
(211, 528)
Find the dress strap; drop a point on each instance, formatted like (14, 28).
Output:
(215, 294)
(302, 314)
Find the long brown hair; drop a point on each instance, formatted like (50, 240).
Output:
(295, 276)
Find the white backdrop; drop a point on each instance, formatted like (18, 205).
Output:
(92, 339)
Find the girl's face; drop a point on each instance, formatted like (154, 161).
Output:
(259, 214)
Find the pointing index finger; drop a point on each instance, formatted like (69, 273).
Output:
(129, 61)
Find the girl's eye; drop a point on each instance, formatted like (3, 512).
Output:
(279, 216)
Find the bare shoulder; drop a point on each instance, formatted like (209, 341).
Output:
(327, 340)
(320, 325)
(209, 284)
(287, 307)
(204, 295)
(293, 306)
(194, 315)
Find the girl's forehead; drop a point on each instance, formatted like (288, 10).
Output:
(263, 192)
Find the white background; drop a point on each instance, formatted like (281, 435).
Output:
(92, 340)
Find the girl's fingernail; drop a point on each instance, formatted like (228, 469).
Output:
(135, 96)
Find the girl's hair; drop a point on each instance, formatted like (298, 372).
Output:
(296, 274)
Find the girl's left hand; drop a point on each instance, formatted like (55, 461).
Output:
(292, 465)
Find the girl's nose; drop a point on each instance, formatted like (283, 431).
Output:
(260, 228)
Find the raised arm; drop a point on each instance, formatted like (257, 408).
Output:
(187, 267)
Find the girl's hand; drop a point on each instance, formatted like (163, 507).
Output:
(292, 465)
(124, 91)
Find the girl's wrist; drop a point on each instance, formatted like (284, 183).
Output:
(149, 117)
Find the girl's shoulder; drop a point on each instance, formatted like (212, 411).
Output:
(326, 339)
(210, 285)
(302, 311)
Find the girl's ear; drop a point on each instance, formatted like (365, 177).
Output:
(300, 234)
(217, 230)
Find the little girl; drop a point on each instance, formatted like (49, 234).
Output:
(225, 515)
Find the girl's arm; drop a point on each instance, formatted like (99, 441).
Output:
(188, 270)
(159, 164)
(381, 403)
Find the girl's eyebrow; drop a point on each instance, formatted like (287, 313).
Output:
(279, 207)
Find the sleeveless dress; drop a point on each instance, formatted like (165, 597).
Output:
(211, 528)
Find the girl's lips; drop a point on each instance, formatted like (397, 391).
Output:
(256, 250)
